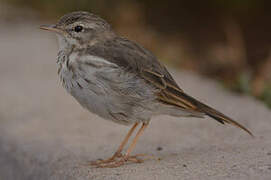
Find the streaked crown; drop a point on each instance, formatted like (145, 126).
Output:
(80, 27)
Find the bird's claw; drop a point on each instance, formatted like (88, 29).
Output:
(116, 161)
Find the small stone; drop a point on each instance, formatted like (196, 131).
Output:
(159, 148)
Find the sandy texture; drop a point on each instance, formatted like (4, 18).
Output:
(45, 134)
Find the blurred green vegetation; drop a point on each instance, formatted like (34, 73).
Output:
(266, 95)
(228, 40)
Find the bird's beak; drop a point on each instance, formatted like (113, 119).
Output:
(52, 28)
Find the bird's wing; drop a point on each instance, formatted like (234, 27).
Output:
(133, 57)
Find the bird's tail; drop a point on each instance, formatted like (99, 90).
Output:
(218, 116)
(179, 98)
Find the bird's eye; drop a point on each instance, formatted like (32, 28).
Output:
(78, 28)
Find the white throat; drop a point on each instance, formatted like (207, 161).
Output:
(64, 43)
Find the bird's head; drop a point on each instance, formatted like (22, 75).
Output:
(80, 29)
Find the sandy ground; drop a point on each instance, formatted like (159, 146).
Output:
(45, 134)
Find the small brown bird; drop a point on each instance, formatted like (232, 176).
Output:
(119, 80)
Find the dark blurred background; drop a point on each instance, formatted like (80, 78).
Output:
(226, 40)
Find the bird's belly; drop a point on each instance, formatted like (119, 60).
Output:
(117, 108)
(112, 98)
(93, 102)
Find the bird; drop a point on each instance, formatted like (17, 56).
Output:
(120, 80)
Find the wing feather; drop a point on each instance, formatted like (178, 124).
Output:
(171, 94)
(132, 57)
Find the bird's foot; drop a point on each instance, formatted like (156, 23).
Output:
(105, 161)
(118, 161)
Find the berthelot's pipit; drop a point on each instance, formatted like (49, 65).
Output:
(119, 80)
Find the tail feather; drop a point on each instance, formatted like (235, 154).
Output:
(189, 102)
(221, 117)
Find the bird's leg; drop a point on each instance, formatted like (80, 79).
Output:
(126, 157)
(117, 154)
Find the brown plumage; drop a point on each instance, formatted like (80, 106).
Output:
(171, 94)
(135, 58)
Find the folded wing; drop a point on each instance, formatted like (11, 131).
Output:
(173, 95)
